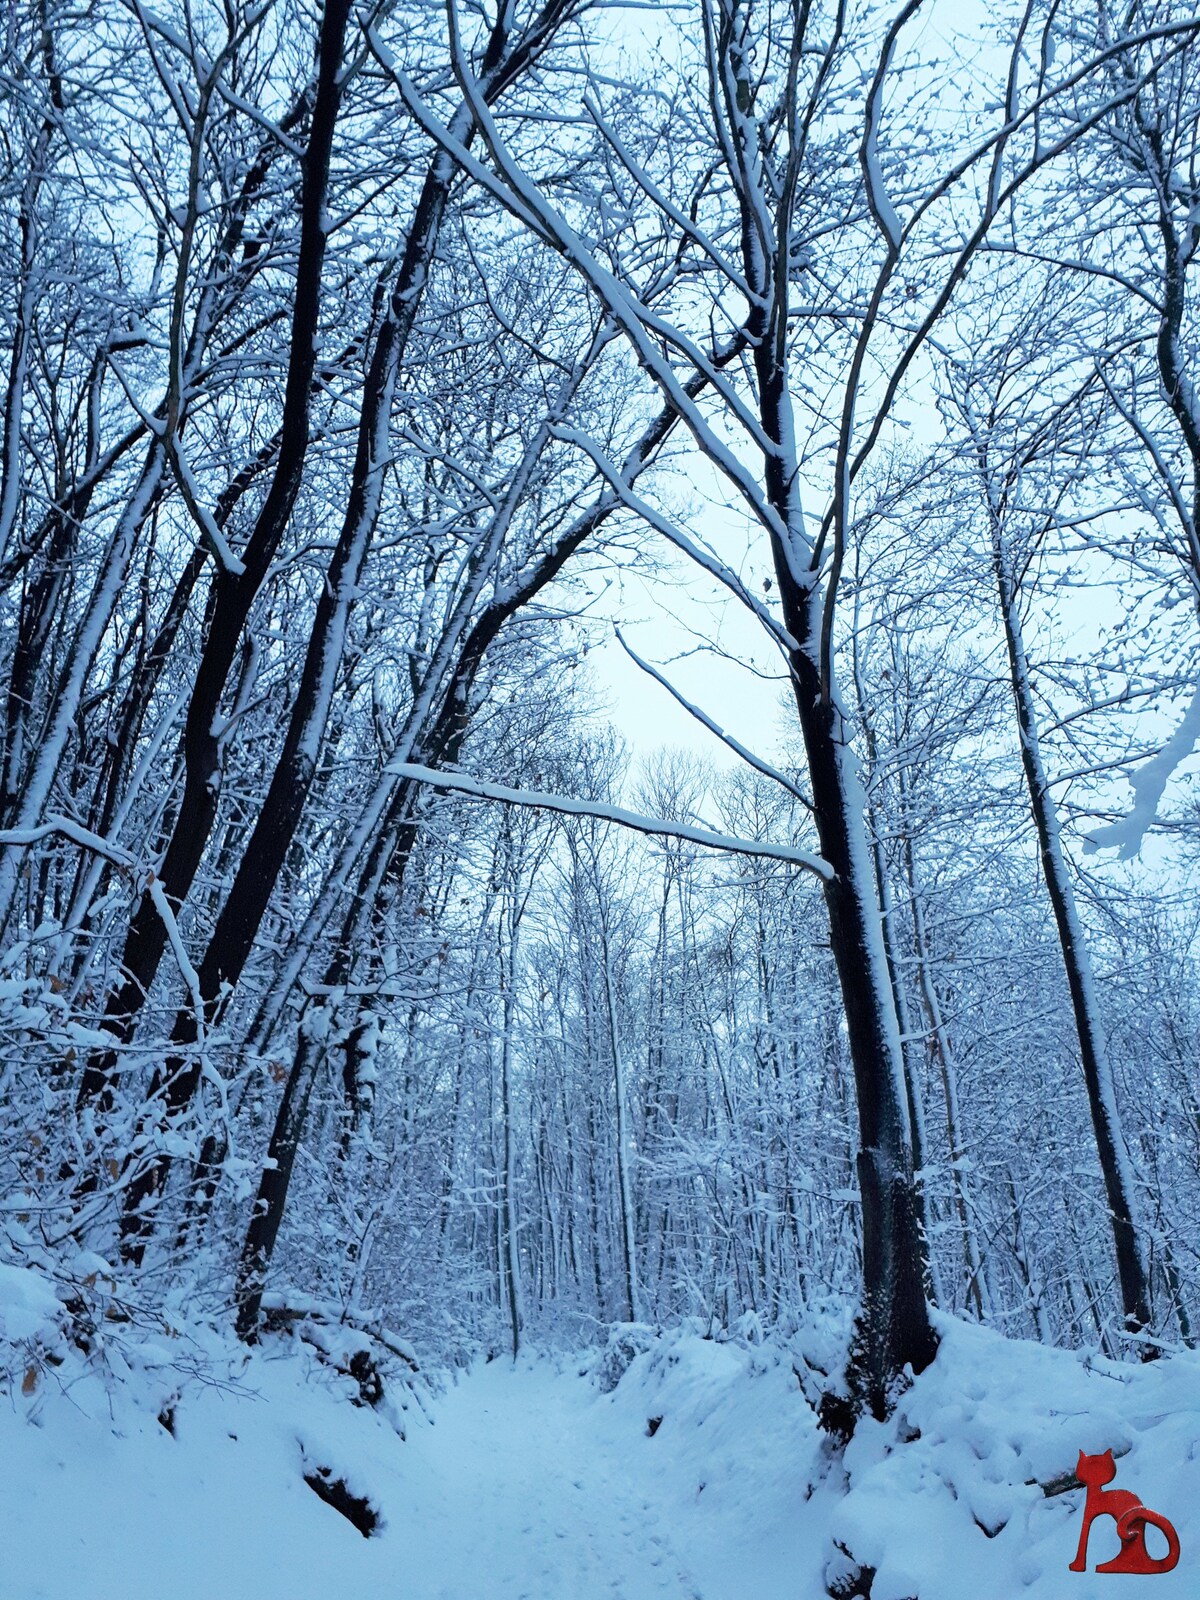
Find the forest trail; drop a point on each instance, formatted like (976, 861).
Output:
(534, 1495)
(511, 1482)
(525, 1482)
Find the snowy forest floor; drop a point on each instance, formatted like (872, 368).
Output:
(171, 1465)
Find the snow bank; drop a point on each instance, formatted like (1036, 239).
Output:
(166, 1460)
(30, 1312)
(723, 1432)
(955, 1484)
(946, 1500)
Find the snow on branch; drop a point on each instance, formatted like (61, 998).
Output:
(66, 828)
(481, 789)
(22, 838)
(1148, 785)
(509, 185)
(682, 221)
(702, 716)
(881, 206)
(707, 559)
(210, 533)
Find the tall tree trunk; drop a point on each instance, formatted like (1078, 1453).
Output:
(633, 1308)
(509, 1237)
(912, 1089)
(81, 655)
(893, 1331)
(29, 227)
(1119, 1186)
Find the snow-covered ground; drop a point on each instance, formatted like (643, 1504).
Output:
(540, 1481)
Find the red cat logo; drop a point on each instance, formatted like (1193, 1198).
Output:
(1130, 1516)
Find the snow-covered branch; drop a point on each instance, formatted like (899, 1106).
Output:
(482, 789)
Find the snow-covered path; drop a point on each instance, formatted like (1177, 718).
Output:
(532, 1495)
(521, 1483)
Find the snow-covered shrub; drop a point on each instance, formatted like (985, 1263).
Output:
(626, 1341)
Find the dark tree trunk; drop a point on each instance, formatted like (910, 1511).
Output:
(234, 593)
(1089, 1026)
(893, 1330)
(277, 1173)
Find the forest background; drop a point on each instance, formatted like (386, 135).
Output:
(369, 370)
